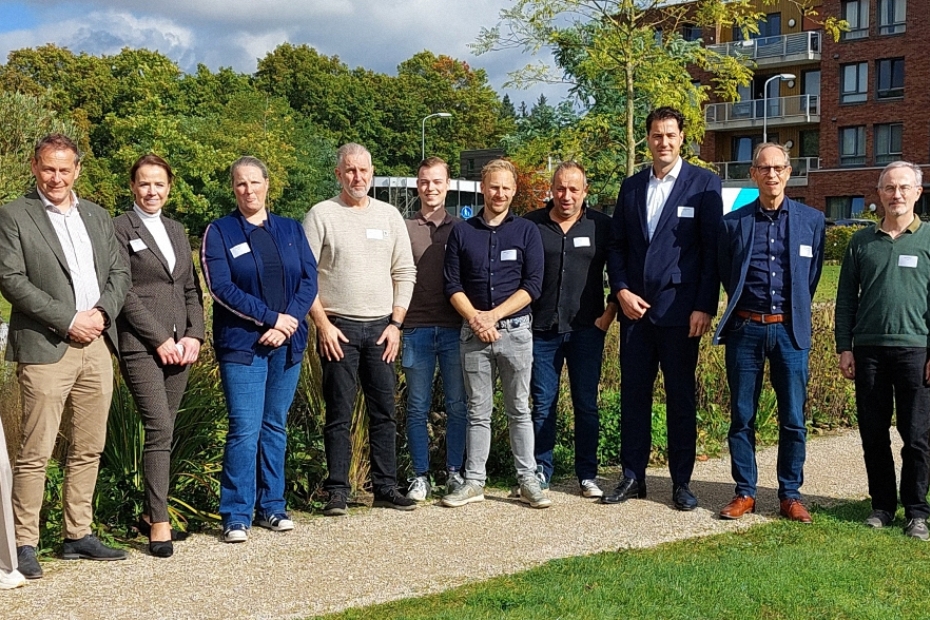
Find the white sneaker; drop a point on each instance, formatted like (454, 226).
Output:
(280, 522)
(419, 488)
(13, 579)
(236, 533)
(589, 488)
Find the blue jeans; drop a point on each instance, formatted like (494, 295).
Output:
(258, 397)
(583, 351)
(748, 345)
(423, 346)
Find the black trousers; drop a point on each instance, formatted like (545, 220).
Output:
(892, 379)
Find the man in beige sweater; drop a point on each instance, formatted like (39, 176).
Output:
(366, 277)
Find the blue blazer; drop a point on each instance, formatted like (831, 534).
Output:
(676, 273)
(805, 228)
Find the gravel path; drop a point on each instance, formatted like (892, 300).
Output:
(377, 555)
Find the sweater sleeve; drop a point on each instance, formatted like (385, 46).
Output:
(403, 269)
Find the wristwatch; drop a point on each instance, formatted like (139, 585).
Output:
(396, 324)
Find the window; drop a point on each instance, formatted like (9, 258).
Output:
(892, 15)
(890, 78)
(843, 207)
(888, 142)
(809, 143)
(856, 12)
(690, 32)
(854, 83)
(852, 146)
(770, 27)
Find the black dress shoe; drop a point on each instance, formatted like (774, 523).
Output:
(145, 528)
(683, 498)
(628, 488)
(90, 548)
(161, 548)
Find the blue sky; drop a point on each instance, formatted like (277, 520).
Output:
(375, 34)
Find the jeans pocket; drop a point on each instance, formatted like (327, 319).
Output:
(736, 324)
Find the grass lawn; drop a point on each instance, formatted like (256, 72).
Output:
(826, 289)
(836, 568)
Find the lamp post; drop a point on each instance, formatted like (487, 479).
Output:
(423, 131)
(765, 101)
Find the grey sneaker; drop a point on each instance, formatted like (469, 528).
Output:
(589, 488)
(917, 528)
(543, 483)
(469, 492)
(879, 519)
(454, 481)
(531, 493)
(419, 488)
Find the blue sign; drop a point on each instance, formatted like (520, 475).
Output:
(466, 212)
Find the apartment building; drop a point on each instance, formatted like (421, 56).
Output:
(844, 108)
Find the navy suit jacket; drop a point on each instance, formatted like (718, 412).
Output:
(805, 261)
(675, 272)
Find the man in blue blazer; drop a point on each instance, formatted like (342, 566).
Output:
(662, 270)
(770, 258)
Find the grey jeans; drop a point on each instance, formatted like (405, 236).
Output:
(512, 358)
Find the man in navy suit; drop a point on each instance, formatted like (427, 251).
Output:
(662, 269)
(770, 257)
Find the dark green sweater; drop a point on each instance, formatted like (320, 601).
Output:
(882, 297)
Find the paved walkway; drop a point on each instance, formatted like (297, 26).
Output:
(377, 555)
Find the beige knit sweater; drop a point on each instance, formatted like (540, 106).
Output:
(364, 260)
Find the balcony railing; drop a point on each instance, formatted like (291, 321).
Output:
(771, 50)
(775, 110)
(739, 170)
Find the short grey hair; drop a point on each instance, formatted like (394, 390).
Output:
(918, 174)
(352, 148)
(570, 165)
(770, 145)
(248, 160)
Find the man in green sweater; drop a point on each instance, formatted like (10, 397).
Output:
(882, 338)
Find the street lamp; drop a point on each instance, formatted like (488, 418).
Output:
(423, 132)
(765, 101)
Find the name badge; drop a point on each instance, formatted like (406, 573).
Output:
(686, 212)
(509, 255)
(374, 233)
(137, 245)
(239, 250)
(582, 242)
(807, 251)
(906, 260)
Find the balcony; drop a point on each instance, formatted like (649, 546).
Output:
(786, 49)
(736, 173)
(776, 111)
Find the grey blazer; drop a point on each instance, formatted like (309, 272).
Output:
(35, 279)
(161, 304)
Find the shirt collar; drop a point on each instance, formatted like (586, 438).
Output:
(48, 203)
(672, 175)
(435, 219)
(911, 228)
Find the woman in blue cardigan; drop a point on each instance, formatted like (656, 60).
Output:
(263, 278)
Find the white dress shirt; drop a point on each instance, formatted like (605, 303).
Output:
(657, 195)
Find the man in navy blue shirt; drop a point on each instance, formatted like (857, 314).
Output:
(493, 271)
(770, 258)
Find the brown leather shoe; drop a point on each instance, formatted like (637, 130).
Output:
(738, 506)
(793, 509)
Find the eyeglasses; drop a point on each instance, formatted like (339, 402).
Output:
(765, 170)
(890, 190)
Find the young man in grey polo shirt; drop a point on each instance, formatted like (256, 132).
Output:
(493, 271)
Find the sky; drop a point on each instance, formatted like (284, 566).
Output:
(374, 34)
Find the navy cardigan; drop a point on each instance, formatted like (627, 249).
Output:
(232, 271)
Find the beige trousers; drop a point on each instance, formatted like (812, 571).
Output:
(85, 375)
(7, 538)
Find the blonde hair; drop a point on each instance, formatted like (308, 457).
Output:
(497, 165)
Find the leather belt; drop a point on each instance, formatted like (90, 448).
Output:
(765, 319)
(514, 323)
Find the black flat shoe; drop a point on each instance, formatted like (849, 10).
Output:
(145, 528)
(161, 548)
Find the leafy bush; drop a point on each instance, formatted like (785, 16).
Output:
(837, 238)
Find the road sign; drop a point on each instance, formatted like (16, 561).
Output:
(466, 212)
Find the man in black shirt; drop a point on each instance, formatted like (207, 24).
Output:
(570, 320)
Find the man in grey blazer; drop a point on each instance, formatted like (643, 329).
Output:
(61, 271)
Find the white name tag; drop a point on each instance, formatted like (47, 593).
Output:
(686, 212)
(239, 250)
(509, 255)
(807, 251)
(374, 233)
(907, 261)
(582, 242)
(137, 245)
